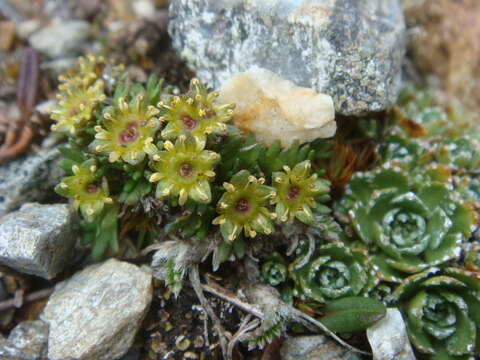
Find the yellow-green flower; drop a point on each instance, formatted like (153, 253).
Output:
(195, 113)
(184, 170)
(77, 101)
(243, 206)
(87, 70)
(296, 192)
(88, 194)
(128, 130)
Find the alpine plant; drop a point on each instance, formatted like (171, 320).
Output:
(146, 167)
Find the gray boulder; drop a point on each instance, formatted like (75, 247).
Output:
(96, 314)
(28, 179)
(38, 239)
(351, 50)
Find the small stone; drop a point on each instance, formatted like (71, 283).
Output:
(28, 179)
(62, 38)
(316, 347)
(388, 338)
(38, 239)
(27, 28)
(350, 49)
(144, 9)
(95, 314)
(27, 341)
(7, 34)
(274, 108)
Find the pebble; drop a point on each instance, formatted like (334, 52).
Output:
(96, 314)
(38, 239)
(350, 49)
(388, 338)
(61, 38)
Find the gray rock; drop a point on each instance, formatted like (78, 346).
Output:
(29, 178)
(38, 239)
(62, 38)
(96, 314)
(388, 338)
(27, 341)
(351, 50)
(315, 347)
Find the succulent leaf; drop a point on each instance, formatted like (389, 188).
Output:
(352, 314)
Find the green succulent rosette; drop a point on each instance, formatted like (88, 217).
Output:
(441, 308)
(274, 270)
(244, 206)
(331, 271)
(297, 189)
(195, 113)
(407, 230)
(89, 193)
(127, 131)
(460, 153)
(184, 170)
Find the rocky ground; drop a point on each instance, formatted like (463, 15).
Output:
(55, 303)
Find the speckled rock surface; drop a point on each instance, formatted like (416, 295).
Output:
(27, 341)
(96, 314)
(29, 178)
(38, 239)
(388, 338)
(351, 50)
(315, 347)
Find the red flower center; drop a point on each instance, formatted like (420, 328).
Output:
(188, 122)
(242, 206)
(130, 134)
(185, 170)
(293, 192)
(91, 188)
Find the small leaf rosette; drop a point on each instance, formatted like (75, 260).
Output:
(442, 312)
(331, 271)
(88, 193)
(297, 189)
(195, 113)
(127, 130)
(408, 231)
(244, 206)
(184, 170)
(274, 270)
